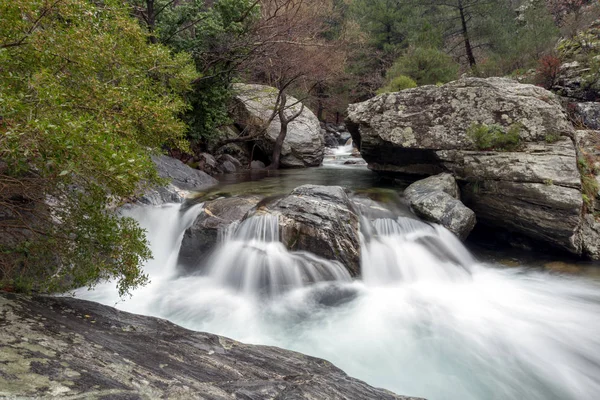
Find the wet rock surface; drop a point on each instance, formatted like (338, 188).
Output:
(319, 219)
(55, 348)
(216, 215)
(437, 199)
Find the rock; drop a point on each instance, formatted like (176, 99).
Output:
(571, 82)
(69, 348)
(182, 176)
(331, 139)
(319, 219)
(590, 234)
(356, 161)
(181, 179)
(257, 165)
(588, 144)
(239, 152)
(228, 164)
(578, 77)
(203, 235)
(208, 163)
(587, 114)
(436, 199)
(162, 195)
(303, 145)
(535, 189)
(438, 183)
(344, 137)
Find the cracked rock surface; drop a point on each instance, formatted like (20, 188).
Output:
(74, 349)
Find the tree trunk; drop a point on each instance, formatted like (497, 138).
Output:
(151, 20)
(278, 146)
(320, 105)
(284, 121)
(465, 32)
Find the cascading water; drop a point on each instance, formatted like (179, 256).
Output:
(254, 261)
(426, 320)
(408, 250)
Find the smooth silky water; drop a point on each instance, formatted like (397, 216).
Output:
(426, 318)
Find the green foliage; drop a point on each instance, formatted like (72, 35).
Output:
(589, 188)
(589, 184)
(397, 84)
(426, 66)
(488, 137)
(552, 137)
(216, 36)
(84, 98)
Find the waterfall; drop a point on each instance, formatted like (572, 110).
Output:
(426, 318)
(253, 260)
(407, 250)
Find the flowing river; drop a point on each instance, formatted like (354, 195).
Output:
(425, 319)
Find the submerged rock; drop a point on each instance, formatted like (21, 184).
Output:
(319, 219)
(437, 199)
(534, 189)
(69, 348)
(304, 143)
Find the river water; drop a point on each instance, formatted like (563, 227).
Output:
(427, 318)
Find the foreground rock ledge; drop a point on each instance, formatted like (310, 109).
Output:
(69, 348)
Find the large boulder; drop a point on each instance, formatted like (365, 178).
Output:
(182, 179)
(304, 143)
(533, 189)
(319, 219)
(62, 348)
(200, 238)
(437, 199)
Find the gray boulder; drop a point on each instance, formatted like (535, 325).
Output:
(256, 164)
(228, 164)
(319, 219)
(202, 236)
(208, 163)
(304, 143)
(534, 189)
(68, 348)
(437, 199)
(182, 179)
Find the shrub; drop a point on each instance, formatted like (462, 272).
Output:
(84, 97)
(426, 66)
(397, 84)
(488, 137)
(547, 71)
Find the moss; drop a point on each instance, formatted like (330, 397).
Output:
(495, 137)
(552, 137)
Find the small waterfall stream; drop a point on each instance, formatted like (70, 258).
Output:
(426, 319)
(254, 261)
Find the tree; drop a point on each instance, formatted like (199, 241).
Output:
(216, 34)
(85, 98)
(290, 53)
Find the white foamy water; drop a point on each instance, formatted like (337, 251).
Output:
(427, 320)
